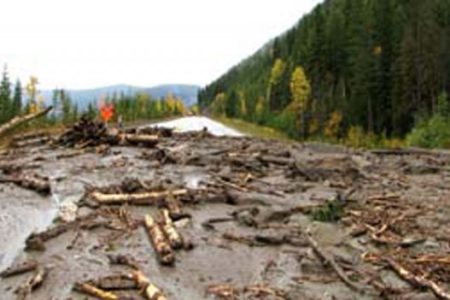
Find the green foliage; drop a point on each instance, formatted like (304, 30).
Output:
(330, 212)
(5, 97)
(432, 133)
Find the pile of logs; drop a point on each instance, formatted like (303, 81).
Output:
(85, 133)
(90, 133)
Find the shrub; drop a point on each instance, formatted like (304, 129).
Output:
(433, 133)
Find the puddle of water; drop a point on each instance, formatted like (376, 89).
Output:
(17, 224)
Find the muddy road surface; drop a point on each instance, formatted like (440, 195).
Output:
(194, 216)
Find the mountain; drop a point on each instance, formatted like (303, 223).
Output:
(188, 93)
(371, 65)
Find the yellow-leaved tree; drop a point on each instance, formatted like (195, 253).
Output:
(333, 125)
(218, 105)
(300, 95)
(242, 104)
(170, 103)
(260, 109)
(276, 75)
(31, 89)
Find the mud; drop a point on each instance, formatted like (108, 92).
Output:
(253, 202)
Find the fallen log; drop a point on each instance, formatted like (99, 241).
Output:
(91, 290)
(33, 182)
(22, 120)
(150, 291)
(175, 239)
(32, 283)
(114, 282)
(160, 243)
(418, 281)
(328, 260)
(36, 241)
(31, 142)
(124, 260)
(24, 267)
(223, 291)
(174, 207)
(148, 198)
(135, 139)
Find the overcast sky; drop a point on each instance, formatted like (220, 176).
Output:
(91, 43)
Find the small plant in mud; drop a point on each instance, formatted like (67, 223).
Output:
(330, 212)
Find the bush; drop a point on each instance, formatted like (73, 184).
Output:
(433, 133)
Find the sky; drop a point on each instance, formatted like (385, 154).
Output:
(78, 44)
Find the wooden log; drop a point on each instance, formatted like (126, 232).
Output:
(114, 282)
(33, 182)
(32, 283)
(147, 198)
(144, 139)
(24, 267)
(150, 291)
(36, 241)
(175, 239)
(161, 245)
(123, 260)
(22, 120)
(327, 259)
(91, 290)
(418, 281)
(31, 142)
(174, 207)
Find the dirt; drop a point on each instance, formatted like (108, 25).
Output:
(252, 205)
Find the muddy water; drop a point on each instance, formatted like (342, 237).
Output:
(21, 213)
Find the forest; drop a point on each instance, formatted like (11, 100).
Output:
(350, 69)
(17, 100)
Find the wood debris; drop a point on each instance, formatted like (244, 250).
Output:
(159, 241)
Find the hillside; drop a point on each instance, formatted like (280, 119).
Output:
(373, 65)
(188, 93)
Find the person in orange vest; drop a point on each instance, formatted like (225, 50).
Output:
(106, 112)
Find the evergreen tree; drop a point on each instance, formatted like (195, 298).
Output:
(17, 99)
(5, 97)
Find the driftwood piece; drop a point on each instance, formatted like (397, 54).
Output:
(223, 291)
(147, 198)
(143, 139)
(114, 282)
(22, 120)
(174, 237)
(123, 260)
(161, 245)
(29, 181)
(174, 207)
(36, 241)
(91, 290)
(418, 281)
(31, 142)
(328, 260)
(32, 283)
(150, 291)
(24, 267)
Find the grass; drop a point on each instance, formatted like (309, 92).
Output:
(253, 129)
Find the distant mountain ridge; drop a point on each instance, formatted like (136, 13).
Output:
(82, 97)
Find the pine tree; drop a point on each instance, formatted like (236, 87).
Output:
(17, 99)
(5, 97)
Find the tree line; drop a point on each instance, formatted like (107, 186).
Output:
(348, 67)
(17, 100)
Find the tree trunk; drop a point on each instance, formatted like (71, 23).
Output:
(22, 120)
